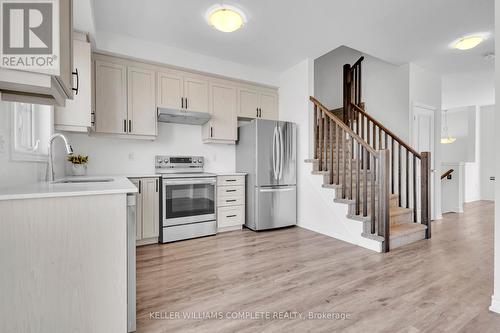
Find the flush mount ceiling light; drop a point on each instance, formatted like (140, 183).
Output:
(469, 42)
(225, 18)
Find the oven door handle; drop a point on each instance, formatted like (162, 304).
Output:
(190, 182)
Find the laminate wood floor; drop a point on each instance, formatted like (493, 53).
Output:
(438, 285)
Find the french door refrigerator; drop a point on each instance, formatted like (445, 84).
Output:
(266, 151)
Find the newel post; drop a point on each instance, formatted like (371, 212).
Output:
(347, 94)
(425, 192)
(383, 202)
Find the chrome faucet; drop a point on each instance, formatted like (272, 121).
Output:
(69, 151)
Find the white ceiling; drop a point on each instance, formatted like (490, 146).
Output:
(280, 33)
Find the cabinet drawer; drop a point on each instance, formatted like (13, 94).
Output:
(231, 180)
(230, 216)
(230, 201)
(230, 192)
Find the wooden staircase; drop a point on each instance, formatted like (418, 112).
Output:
(384, 182)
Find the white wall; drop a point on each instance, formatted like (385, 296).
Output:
(487, 148)
(495, 299)
(315, 207)
(462, 126)
(385, 87)
(453, 190)
(113, 156)
(163, 54)
(425, 89)
(472, 88)
(14, 173)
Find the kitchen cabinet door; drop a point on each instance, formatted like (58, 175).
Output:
(142, 117)
(248, 103)
(195, 94)
(170, 90)
(223, 120)
(111, 97)
(65, 76)
(150, 207)
(269, 106)
(138, 209)
(76, 115)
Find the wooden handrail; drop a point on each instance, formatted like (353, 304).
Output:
(343, 126)
(389, 132)
(447, 173)
(358, 62)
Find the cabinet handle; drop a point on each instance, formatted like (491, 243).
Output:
(230, 216)
(186, 102)
(130, 126)
(230, 180)
(77, 81)
(182, 102)
(211, 132)
(257, 112)
(157, 186)
(125, 125)
(232, 200)
(227, 191)
(140, 186)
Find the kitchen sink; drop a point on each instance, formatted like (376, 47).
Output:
(83, 181)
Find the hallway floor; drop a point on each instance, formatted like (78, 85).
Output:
(438, 285)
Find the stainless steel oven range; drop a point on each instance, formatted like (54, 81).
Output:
(188, 198)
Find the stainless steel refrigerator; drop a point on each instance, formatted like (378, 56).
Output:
(266, 151)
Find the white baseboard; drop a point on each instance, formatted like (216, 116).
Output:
(495, 304)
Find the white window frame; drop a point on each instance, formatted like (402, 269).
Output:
(32, 152)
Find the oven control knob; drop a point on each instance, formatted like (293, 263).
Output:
(166, 160)
(160, 161)
(200, 160)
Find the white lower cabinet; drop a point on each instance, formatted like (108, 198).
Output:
(148, 210)
(230, 202)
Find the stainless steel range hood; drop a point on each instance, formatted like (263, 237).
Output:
(167, 115)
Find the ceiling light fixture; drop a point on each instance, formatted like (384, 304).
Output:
(225, 18)
(469, 42)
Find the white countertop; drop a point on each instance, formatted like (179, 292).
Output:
(118, 185)
(231, 173)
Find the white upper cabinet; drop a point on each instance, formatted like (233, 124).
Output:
(38, 87)
(76, 115)
(268, 105)
(127, 95)
(223, 123)
(249, 103)
(170, 90)
(182, 91)
(111, 98)
(141, 102)
(125, 98)
(258, 103)
(196, 94)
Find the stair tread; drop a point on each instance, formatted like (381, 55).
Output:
(396, 211)
(404, 229)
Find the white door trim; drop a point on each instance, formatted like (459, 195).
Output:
(434, 175)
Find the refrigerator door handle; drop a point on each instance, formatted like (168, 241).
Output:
(277, 189)
(282, 152)
(275, 168)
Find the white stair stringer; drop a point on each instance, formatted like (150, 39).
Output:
(321, 214)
